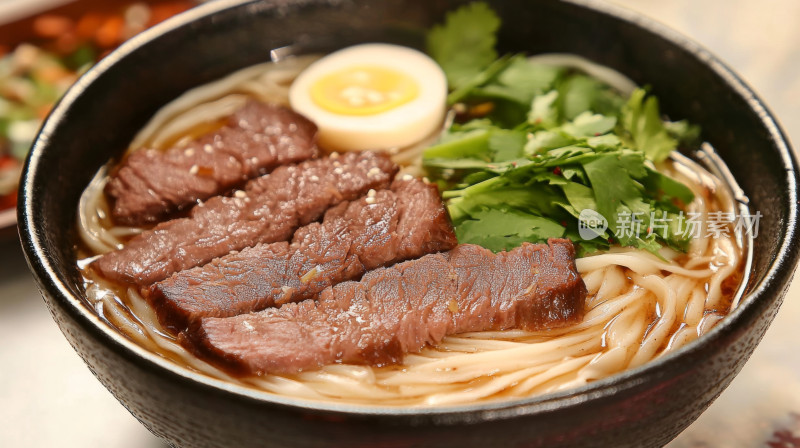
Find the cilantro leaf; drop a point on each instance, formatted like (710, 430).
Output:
(683, 131)
(551, 144)
(544, 110)
(469, 84)
(503, 229)
(588, 124)
(580, 93)
(507, 145)
(605, 142)
(580, 197)
(544, 140)
(498, 193)
(641, 120)
(666, 187)
(613, 188)
(464, 45)
(472, 144)
(527, 79)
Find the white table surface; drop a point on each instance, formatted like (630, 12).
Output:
(48, 398)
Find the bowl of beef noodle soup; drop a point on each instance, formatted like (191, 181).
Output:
(318, 223)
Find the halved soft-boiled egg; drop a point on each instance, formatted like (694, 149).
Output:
(372, 96)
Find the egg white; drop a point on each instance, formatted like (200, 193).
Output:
(398, 127)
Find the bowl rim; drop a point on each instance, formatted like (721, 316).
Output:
(46, 271)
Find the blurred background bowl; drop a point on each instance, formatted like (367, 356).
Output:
(44, 46)
(647, 406)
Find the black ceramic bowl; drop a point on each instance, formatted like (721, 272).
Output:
(646, 406)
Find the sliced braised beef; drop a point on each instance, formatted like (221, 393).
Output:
(151, 184)
(382, 228)
(401, 309)
(269, 209)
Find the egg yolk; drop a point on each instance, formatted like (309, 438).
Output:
(363, 90)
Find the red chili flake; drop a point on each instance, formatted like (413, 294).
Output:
(649, 230)
(557, 171)
(611, 240)
(563, 223)
(514, 164)
(597, 134)
(538, 121)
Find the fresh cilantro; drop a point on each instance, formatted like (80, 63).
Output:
(614, 189)
(473, 144)
(469, 85)
(667, 188)
(502, 229)
(544, 110)
(683, 131)
(552, 143)
(527, 79)
(545, 140)
(580, 93)
(464, 45)
(643, 128)
(587, 124)
(507, 145)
